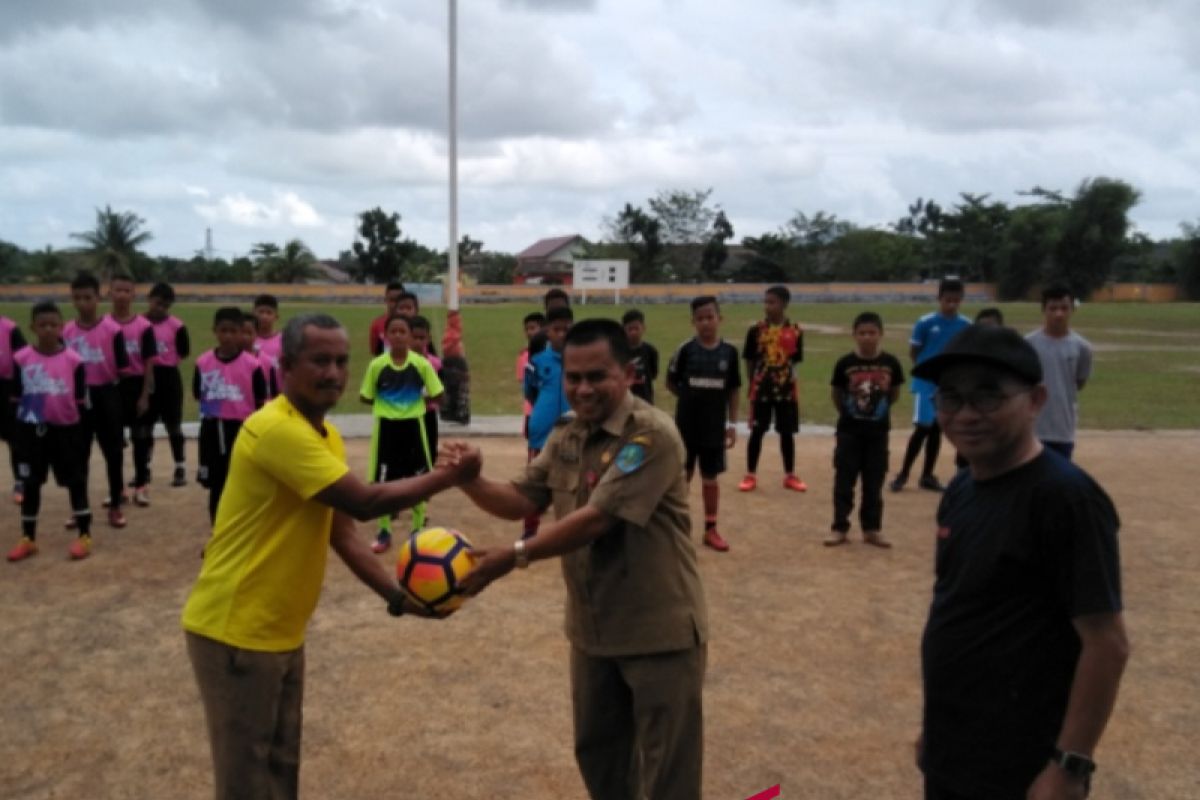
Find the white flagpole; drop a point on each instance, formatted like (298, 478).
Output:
(452, 274)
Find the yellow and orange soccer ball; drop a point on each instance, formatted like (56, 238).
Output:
(431, 566)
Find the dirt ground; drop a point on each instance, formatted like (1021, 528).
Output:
(813, 676)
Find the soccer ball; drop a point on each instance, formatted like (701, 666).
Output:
(431, 566)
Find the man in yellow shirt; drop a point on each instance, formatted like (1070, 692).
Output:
(289, 497)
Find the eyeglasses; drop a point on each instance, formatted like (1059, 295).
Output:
(985, 401)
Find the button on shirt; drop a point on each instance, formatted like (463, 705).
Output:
(634, 590)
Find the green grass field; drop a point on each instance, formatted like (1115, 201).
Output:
(1146, 375)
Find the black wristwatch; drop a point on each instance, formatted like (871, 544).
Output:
(1076, 765)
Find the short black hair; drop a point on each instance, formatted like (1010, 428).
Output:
(85, 280)
(393, 317)
(535, 316)
(868, 318)
(704, 300)
(120, 276)
(555, 294)
(781, 292)
(562, 312)
(44, 307)
(590, 331)
(248, 318)
(1055, 291)
(991, 312)
(633, 315)
(228, 314)
(268, 300)
(950, 285)
(406, 295)
(419, 322)
(163, 291)
(393, 286)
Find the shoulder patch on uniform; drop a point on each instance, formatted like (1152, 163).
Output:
(630, 457)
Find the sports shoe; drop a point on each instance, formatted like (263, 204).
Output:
(715, 540)
(18, 492)
(107, 503)
(795, 484)
(836, 538)
(382, 543)
(748, 484)
(898, 483)
(875, 539)
(931, 483)
(180, 478)
(141, 496)
(81, 549)
(25, 548)
(116, 519)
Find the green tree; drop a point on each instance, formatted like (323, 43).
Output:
(294, 263)
(1093, 234)
(863, 254)
(1187, 261)
(712, 259)
(380, 251)
(771, 252)
(497, 268)
(48, 266)
(641, 234)
(1028, 249)
(112, 245)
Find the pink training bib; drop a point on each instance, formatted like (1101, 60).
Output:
(48, 387)
(227, 389)
(134, 330)
(96, 346)
(7, 326)
(164, 338)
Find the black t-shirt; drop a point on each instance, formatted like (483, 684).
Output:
(645, 371)
(867, 382)
(1018, 557)
(703, 379)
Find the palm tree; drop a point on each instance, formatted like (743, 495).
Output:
(113, 243)
(295, 263)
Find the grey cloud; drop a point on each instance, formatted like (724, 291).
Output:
(553, 5)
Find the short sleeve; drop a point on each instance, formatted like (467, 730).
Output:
(533, 480)
(149, 346)
(676, 366)
(838, 378)
(1088, 574)
(368, 383)
(120, 354)
(1083, 367)
(733, 377)
(918, 334)
(16, 340)
(898, 372)
(642, 471)
(750, 348)
(295, 455)
(433, 384)
(798, 353)
(183, 343)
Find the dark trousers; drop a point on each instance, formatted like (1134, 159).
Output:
(857, 455)
(639, 724)
(102, 422)
(252, 704)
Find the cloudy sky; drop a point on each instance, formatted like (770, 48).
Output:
(271, 119)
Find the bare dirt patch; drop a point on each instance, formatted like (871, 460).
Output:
(813, 681)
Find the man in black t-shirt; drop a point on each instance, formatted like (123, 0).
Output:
(1025, 643)
(865, 385)
(703, 374)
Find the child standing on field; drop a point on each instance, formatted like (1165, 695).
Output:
(134, 386)
(396, 385)
(377, 343)
(11, 341)
(533, 324)
(249, 342)
(100, 342)
(544, 390)
(1066, 366)
(230, 385)
(166, 384)
(422, 343)
(268, 342)
(703, 374)
(773, 347)
(50, 389)
(865, 385)
(644, 355)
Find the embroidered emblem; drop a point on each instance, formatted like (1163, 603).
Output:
(630, 458)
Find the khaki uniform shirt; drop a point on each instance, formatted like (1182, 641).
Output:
(634, 590)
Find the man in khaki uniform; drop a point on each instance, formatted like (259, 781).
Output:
(636, 616)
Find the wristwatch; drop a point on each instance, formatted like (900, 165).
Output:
(520, 554)
(1076, 765)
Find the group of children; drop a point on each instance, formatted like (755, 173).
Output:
(704, 376)
(98, 377)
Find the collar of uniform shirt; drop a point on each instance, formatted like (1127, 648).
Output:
(615, 424)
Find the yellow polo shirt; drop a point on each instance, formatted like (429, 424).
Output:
(264, 566)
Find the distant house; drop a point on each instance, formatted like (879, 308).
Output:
(327, 271)
(550, 261)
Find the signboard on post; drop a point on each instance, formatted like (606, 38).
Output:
(601, 275)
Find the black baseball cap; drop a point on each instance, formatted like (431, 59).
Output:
(985, 344)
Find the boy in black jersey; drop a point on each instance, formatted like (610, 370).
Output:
(865, 385)
(645, 355)
(703, 374)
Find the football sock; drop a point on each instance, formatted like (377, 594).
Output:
(30, 505)
(754, 449)
(787, 446)
(79, 505)
(711, 492)
(175, 435)
(932, 448)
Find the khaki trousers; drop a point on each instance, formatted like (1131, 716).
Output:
(639, 724)
(252, 704)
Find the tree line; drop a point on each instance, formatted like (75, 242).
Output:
(1084, 239)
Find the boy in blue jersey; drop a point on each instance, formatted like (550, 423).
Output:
(929, 336)
(544, 389)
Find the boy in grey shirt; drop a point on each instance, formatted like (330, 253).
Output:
(1066, 366)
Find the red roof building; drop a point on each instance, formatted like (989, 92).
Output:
(550, 261)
